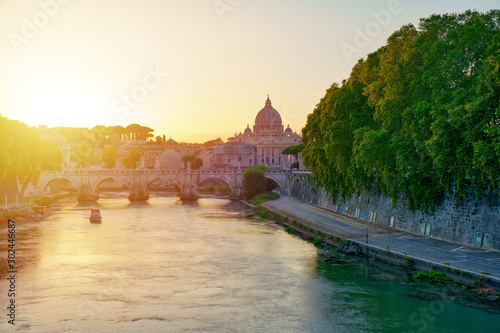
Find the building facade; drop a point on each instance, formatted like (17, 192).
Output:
(270, 138)
(234, 155)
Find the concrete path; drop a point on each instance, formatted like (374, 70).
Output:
(437, 252)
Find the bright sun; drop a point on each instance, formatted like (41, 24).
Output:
(60, 100)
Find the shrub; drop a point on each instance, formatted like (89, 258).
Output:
(432, 275)
(263, 213)
(317, 240)
(438, 276)
(420, 275)
(254, 182)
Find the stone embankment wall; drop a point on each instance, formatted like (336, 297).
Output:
(473, 223)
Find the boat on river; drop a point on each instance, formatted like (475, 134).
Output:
(95, 216)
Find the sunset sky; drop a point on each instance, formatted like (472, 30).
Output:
(191, 69)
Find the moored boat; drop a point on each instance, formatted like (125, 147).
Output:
(95, 216)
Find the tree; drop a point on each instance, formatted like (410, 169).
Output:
(254, 182)
(294, 150)
(196, 162)
(109, 157)
(134, 156)
(138, 132)
(100, 135)
(418, 117)
(81, 155)
(214, 142)
(117, 130)
(23, 156)
(51, 157)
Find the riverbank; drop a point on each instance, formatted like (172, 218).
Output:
(24, 204)
(473, 267)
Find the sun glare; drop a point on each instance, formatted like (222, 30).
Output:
(60, 101)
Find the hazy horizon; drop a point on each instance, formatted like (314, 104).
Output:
(193, 71)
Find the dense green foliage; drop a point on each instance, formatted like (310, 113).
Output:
(254, 181)
(23, 156)
(196, 162)
(134, 156)
(417, 117)
(318, 240)
(263, 213)
(432, 275)
(109, 157)
(293, 150)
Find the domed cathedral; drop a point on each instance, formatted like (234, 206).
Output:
(270, 138)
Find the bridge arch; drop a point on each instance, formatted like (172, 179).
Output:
(277, 181)
(164, 177)
(45, 184)
(95, 188)
(224, 179)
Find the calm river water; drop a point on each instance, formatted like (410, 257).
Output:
(207, 266)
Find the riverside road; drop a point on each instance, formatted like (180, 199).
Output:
(437, 252)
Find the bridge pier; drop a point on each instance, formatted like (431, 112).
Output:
(237, 193)
(82, 197)
(85, 194)
(188, 197)
(188, 190)
(188, 193)
(137, 195)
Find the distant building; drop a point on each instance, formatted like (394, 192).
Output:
(170, 160)
(235, 154)
(206, 155)
(269, 137)
(170, 144)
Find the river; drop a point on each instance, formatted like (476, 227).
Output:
(205, 266)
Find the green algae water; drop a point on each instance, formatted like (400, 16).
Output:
(206, 266)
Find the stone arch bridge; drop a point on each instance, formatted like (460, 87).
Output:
(138, 181)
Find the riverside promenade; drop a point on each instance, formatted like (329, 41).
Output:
(460, 263)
